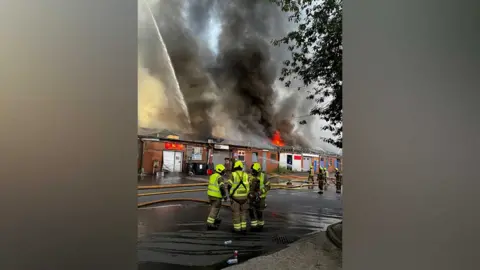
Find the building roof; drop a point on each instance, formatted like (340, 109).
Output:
(166, 134)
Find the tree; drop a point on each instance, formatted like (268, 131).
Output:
(316, 49)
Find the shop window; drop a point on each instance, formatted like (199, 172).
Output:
(254, 157)
(273, 156)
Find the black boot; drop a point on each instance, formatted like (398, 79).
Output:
(218, 222)
(211, 227)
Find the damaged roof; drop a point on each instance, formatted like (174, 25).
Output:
(259, 144)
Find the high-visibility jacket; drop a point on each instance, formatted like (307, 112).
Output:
(264, 186)
(240, 185)
(215, 183)
(311, 172)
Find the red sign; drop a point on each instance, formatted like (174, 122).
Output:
(173, 146)
(297, 157)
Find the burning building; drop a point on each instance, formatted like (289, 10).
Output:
(228, 91)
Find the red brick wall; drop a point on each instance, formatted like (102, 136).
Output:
(247, 157)
(154, 151)
(331, 164)
(272, 165)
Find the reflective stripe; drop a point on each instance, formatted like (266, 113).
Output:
(254, 223)
(243, 225)
(261, 223)
(210, 220)
(263, 186)
(237, 226)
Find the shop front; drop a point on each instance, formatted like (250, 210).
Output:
(221, 155)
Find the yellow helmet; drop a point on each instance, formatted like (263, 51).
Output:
(256, 167)
(336, 169)
(311, 166)
(220, 168)
(238, 165)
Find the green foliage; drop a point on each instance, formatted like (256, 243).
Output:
(316, 48)
(282, 170)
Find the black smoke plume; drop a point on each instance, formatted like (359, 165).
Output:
(241, 75)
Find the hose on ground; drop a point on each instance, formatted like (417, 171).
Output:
(188, 185)
(275, 186)
(193, 199)
(171, 192)
(171, 186)
(176, 200)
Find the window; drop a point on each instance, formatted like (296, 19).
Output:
(254, 157)
(273, 156)
(241, 155)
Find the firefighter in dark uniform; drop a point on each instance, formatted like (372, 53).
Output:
(321, 180)
(238, 189)
(338, 180)
(259, 187)
(311, 175)
(324, 172)
(216, 192)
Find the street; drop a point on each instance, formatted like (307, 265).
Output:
(172, 235)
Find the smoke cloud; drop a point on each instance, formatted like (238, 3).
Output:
(230, 92)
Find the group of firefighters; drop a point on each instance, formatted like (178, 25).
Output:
(322, 179)
(247, 193)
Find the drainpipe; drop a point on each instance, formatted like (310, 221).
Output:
(140, 151)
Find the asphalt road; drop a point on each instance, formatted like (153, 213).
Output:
(173, 235)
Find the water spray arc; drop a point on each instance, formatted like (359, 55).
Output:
(178, 93)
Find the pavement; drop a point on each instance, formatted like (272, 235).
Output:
(312, 252)
(173, 235)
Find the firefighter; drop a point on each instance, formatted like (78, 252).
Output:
(311, 175)
(238, 189)
(259, 187)
(321, 180)
(216, 192)
(324, 172)
(338, 180)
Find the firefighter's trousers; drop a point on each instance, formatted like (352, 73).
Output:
(321, 183)
(338, 185)
(256, 214)
(239, 214)
(310, 181)
(215, 205)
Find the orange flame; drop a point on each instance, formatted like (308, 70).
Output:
(277, 139)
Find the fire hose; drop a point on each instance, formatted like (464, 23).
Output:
(190, 190)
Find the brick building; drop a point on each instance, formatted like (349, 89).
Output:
(166, 151)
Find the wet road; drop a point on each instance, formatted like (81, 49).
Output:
(173, 235)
